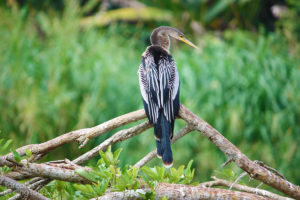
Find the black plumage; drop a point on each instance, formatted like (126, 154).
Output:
(159, 84)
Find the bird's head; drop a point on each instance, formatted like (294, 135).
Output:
(180, 36)
(160, 36)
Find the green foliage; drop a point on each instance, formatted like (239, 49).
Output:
(56, 77)
(160, 174)
(289, 26)
(4, 148)
(128, 14)
(4, 145)
(108, 157)
(4, 169)
(17, 156)
(215, 14)
(226, 174)
(107, 175)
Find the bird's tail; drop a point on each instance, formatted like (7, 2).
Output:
(163, 130)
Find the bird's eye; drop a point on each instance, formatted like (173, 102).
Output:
(181, 36)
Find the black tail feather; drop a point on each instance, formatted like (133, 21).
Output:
(166, 132)
(159, 149)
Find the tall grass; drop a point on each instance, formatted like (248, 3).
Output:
(245, 85)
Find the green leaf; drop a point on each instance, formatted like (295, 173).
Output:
(17, 156)
(108, 156)
(218, 7)
(28, 152)
(188, 167)
(127, 14)
(116, 155)
(5, 146)
(5, 169)
(136, 185)
(86, 174)
(149, 172)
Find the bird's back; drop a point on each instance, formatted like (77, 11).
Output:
(159, 83)
(157, 53)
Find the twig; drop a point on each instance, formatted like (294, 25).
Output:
(178, 191)
(226, 163)
(232, 152)
(269, 168)
(153, 153)
(21, 189)
(243, 188)
(237, 180)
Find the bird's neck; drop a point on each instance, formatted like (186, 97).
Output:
(160, 38)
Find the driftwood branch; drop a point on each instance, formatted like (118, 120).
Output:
(232, 152)
(82, 135)
(21, 189)
(243, 188)
(177, 191)
(52, 171)
(61, 171)
(119, 136)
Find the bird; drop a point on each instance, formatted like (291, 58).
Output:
(159, 85)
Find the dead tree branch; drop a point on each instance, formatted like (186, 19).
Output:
(232, 152)
(177, 191)
(119, 136)
(61, 172)
(51, 171)
(21, 189)
(82, 135)
(243, 188)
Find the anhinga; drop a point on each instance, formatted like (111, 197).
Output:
(159, 84)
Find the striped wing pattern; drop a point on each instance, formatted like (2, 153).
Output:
(159, 86)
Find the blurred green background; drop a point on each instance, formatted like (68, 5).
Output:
(66, 65)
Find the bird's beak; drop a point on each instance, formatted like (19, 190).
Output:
(188, 42)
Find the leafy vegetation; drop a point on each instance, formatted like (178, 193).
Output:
(108, 175)
(56, 77)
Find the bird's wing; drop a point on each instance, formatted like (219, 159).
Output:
(148, 78)
(169, 87)
(159, 87)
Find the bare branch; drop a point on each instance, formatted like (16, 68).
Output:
(59, 172)
(4, 162)
(226, 163)
(153, 153)
(37, 183)
(253, 169)
(20, 188)
(244, 188)
(82, 135)
(32, 181)
(237, 180)
(177, 191)
(119, 136)
(112, 124)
